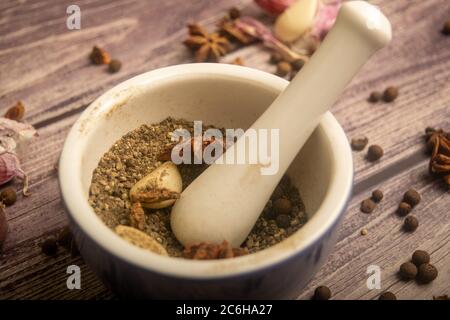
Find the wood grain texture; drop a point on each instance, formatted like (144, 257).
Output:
(46, 66)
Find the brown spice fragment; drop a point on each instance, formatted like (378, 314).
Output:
(443, 297)
(390, 94)
(377, 195)
(446, 28)
(238, 61)
(439, 143)
(364, 232)
(228, 29)
(387, 295)
(412, 197)
(114, 66)
(359, 143)
(375, 97)
(408, 270)
(99, 56)
(8, 196)
(322, 293)
(420, 257)
(208, 251)
(16, 112)
(427, 273)
(411, 223)
(283, 68)
(403, 209)
(137, 216)
(374, 153)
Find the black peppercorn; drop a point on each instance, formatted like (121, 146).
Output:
(282, 206)
(49, 246)
(374, 153)
(367, 206)
(420, 257)
(390, 94)
(375, 97)
(322, 293)
(387, 296)
(377, 195)
(283, 68)
(8, 196)
(114, 66)
(411, 223)
(65, 237)
(427, 273)
(359, 143)
(283, 221)
(403, 209)
(412, 197)
(408, 271)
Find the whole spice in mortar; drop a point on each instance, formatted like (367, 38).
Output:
(205, 251)
(137, 154)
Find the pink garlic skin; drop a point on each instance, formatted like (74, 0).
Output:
(325, 18)
(3, 227)
(274, 7)
(9, 167)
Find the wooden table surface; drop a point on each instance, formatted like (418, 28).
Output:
(45, 65)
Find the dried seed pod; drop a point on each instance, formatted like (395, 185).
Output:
(377, 195)
(412, 197)
(403, 209)
(16, 112)
(427, 273)
(140, 239)
(114, 66)
(374, 153)
(367, 206)
(408, 270)
(411, 223)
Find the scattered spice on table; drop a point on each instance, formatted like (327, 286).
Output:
(114, 66)
(443, 297)
(359, 143)
(16, 112)
(427, 273)
(3, 227)
(322, 293)
(403, 209)
(411, 223)
(408, 270)
(374, 153)
(49, 246)
(367, 206)
(438, 141)
(65, 237)
(375, 96)
(420, 257)
(8, 196)
(234, 13)
(446, 28)
(390, 94)
(377, 195)
(412, 197)
(139, 152)
(364, 232)
(206, 46)
(387, 295)
(99, 56)
(238, 61)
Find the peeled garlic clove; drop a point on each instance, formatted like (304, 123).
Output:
(140, 239)
(296, 20)
(166, 176)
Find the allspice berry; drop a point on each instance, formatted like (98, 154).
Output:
(427, 273)
(390, 94)
(377, 195)
(8, 196)
(374, 153)
(411, 223)
(114, 66)
(283, 68)
(359, 143)
(283, 221)
(420, 257)
(322, 293)
(367, 206)
(403, 209)
(412, 197)
(387, 295)
(446, 28)
(375, 97)
(408, 271)
(49, 246)
(282, 206)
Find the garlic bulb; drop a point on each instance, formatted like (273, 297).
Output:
(140, 239)
(296, 20)
(164, 181)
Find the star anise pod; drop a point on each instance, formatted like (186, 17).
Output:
(207, 46)
(439, 141)
(228, 29)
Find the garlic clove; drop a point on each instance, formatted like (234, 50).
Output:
(140, 239)
(296, 20)
(165, 177)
